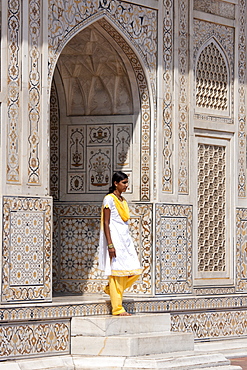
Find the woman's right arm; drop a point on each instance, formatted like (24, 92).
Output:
(107, 214)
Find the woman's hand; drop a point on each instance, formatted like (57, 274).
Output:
(112, 252)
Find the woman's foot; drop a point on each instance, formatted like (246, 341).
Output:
(107, 289)
(124, 314)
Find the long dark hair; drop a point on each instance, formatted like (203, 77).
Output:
(117, 176)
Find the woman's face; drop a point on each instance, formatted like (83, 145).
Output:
(122, 185)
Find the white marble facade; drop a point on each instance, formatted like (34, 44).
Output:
(88, 88)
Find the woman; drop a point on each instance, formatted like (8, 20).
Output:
(117, 258)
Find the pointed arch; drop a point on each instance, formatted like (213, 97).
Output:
(144, 91)
(212, 78)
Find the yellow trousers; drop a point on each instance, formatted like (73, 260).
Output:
(115, 288)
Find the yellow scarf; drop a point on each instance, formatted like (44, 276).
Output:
(122, 208)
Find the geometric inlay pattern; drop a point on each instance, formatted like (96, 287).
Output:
(27, 255)
(167, 182)
(35, 35)
(211, 207)
(212, 79)
(241, 250)
(214, 325)
(75, 247)
(183, 98)
(13, 103)
(173, 249)
(37, 338)
(26, 249)
(241, 114)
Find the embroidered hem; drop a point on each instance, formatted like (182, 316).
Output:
(126, 272)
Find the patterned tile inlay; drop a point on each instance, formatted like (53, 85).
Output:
(34, 339)
(26, 249)
(167, 180)
(75, 260)
(183, 98)
(241, 250)
(173, 249)
(242, 100)
(14, 80)
(34, 91)
(213, 325)
(27, 254)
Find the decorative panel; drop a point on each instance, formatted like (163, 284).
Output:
(241, 250)
(213, 57)
(22, 339)
(26, 249)
(76, 183)
(123, 147)
(183, 97)
(211, 208)
(76, 238)
(54, 142)
(94, 152)
(214, 325)
(221, 8)
(173, 257)
(76, 151)
(99, 168)
(167, 180)
(13, 102)
(242, 99)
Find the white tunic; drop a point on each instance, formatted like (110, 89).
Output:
(126, 262)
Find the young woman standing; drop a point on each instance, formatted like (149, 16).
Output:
(117, 256)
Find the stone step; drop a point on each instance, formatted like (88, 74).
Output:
(182, 362)
(106, 326)
(132, 345)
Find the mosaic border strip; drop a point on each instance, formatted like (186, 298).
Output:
(242, 100)
(34, 88)
(14, 81)
(241, 255)
(183, 109)
(167, 179)
(26, 292)
(54, 142)
(136, 305)
(174, 286)
(211, 325)
(22, 339)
